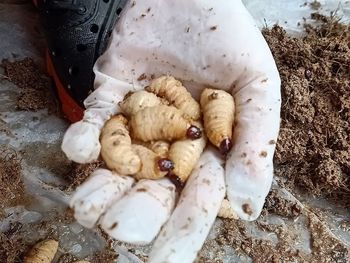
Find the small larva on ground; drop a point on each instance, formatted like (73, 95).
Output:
(42, 252)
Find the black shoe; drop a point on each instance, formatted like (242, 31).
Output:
(77, 33)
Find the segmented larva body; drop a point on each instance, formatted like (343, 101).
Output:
(116, 148)
(185, 155)
(159, 123)
(133, 102)
(152, 164)
(173, 90)
(218, 115)
(43, 252)
(160, 147)
(226, 210)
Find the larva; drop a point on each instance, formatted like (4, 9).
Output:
(133, 102)
(185, 154)
(116, 148)
(153, 166)
(218, 115)
(161, 123)
(43, 252)
(173, 90)
(161, 148)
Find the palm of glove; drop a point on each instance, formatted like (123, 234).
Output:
(203, 43)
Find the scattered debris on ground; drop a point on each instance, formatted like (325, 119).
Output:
(12, 246)
(36, 87)
(12, 191)
(325, 246)
(80, 172)
(278, 205)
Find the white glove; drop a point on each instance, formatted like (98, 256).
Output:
(202, 43)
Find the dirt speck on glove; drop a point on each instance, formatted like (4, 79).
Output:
(36, 92)
(315, 5)
(313, 149)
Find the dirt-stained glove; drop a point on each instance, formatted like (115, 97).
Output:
(203, 43)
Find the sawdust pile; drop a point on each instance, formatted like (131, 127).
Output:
(36, 89)
(11, 184)
(313, 149)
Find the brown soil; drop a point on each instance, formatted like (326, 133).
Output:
(11, 184)
(313, 150)
(35, 85)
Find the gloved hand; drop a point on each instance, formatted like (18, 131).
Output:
(203, 43)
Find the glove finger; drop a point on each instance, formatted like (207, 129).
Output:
(138, 217)
(96, 194)
(249, 167)
(103, 102)
(81, 142)
(186, 230)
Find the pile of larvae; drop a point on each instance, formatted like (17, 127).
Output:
(162, 130)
